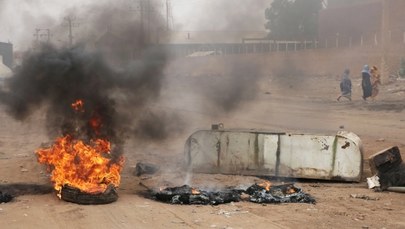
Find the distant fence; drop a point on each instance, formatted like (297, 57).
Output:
(246, 47)
(262, 45)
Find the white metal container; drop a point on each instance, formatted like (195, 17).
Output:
(251, 152)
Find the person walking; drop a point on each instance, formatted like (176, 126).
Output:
(375, 82)
(345, 86)
(366, 82)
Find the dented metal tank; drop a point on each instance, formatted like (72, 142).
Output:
(261, 153)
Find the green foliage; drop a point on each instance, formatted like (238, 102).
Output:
(293, 19)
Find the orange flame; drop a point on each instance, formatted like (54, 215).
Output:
(195, 191)
(81, 165)
(266, 185)
(95, 123)
(87, 167)
(291, 191)
(78, 105)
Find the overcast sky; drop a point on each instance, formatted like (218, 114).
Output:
(20, 18)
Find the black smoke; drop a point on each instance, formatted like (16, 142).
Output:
(241, 85)
(237, 84)
(160, 125)
(56, 78)
(115, 75)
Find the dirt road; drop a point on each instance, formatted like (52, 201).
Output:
(278, 105)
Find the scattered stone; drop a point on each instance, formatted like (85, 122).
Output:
(179, 222)
(364, 197)
(24, 170)
(145, 168)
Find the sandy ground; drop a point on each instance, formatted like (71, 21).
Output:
(281, 104)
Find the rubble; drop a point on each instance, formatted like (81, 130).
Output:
(385, 160)
(388, 169)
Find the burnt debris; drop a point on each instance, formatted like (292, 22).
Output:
(287, 193)
(185, 194)
(392, 178)
(5, 197)
(388, 166)
(10, 191)
(188, 195)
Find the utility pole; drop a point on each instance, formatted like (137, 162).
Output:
(141, 6)
(70, 23)
(47, 35)
(384, 43)
(146, 10)
(149, 21)
(141, 13)
(145, 7)
(36, 34)
(167, 14)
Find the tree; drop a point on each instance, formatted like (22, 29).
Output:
(293, 19)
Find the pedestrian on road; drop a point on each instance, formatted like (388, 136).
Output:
(375, 82)
(366, 82)
(345, 86)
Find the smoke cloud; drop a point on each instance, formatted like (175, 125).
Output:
(231, 15)
(115, 76)
(238, 84)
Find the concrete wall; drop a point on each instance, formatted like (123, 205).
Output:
(322, 62)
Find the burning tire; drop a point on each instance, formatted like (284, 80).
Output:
(74, 195)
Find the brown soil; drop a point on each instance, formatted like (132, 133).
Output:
(282, 103)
